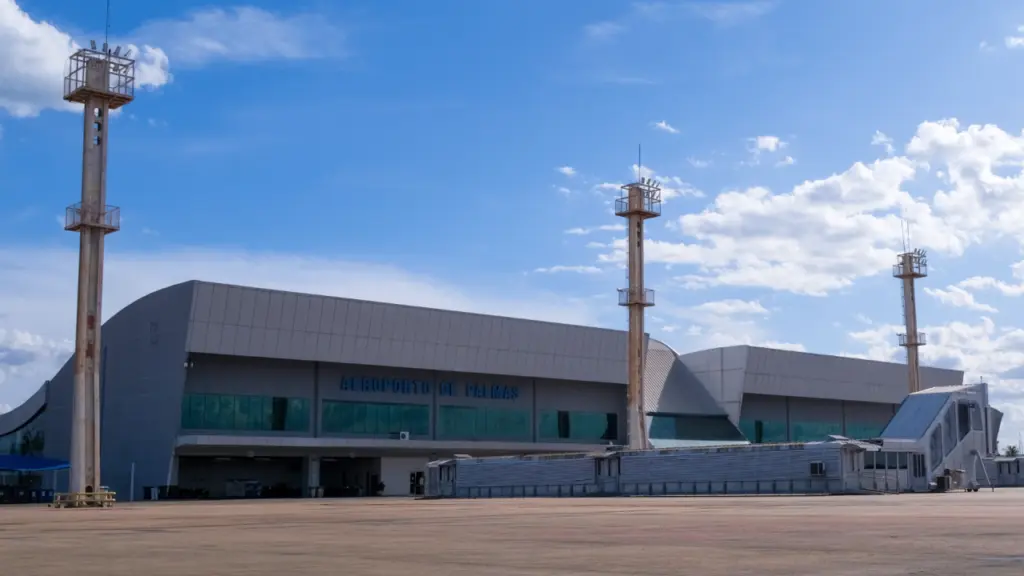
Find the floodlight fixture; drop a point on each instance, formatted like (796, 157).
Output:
(92, 44)
(117, 51)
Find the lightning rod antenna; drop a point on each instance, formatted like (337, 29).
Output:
(106, 33)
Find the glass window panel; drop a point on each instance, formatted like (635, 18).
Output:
(396, 419)
(548, 428)
(297, 419)
(418, 420)
(371, 418)
(227, 412)
(256, 414)
(211, 408)
(359, 419)
(266, 413)
(384, 420)
(197, 405)
(241, 420)
(347, 417)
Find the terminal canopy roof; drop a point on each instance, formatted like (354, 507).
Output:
(11, 463)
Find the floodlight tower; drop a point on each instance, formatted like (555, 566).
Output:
(101, 80)
(911, 265)
(641, 201)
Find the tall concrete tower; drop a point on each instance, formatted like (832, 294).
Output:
(911, 265)
(101, 80)
(641, 201)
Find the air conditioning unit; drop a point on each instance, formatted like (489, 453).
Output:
(403, 435)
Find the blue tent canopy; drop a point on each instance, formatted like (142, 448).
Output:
(30, 464)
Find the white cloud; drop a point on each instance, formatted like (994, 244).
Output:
(715, 323)
(36, 52)
(602, 228)
(880, 139)
(35, 55)
(603, 30)
(786, 161)
(731, 307)
(1016, 41)
(698, 163)
(244, 34)
(981, 350)
(566, 170)
(671, 186)
(572, 269)
(958, 297)
(824, 234)
(767, 143)
(5, 408)
(37, 296)
(989, 283)
(731, 13)
(759, 145)
(665, 127)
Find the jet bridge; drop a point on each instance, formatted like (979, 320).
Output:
(945, 433)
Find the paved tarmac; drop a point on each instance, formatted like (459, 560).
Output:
(928, 534)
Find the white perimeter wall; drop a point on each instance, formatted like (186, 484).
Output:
(394, 473)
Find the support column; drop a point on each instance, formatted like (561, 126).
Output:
(312, 476)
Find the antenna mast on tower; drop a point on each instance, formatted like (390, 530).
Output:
(910, 265)
(102, 80)
(641, 200)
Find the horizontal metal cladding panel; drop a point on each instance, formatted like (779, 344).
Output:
(581, 396)
(516, 472)
(869, 412)
(242, 321)
(774, 463)
(252, 376)
(721, 372)
(670, 386)
(789, 373)
(765, 408)
(814, 410)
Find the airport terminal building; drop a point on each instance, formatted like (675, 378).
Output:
(214, 389)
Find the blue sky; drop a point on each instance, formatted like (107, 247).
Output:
(411, 151)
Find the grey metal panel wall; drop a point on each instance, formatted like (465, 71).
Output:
(783, 462)
(814, 410)
(583, 397)
(524, 472)
(21, 415)
(721, 372)
(868, 413)
(670, 386)
(255, 322)
(788, 373)
(765, 408)
(143, 373)
(212, 374)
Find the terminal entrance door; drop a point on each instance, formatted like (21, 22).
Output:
(417, 483)
(349, 477)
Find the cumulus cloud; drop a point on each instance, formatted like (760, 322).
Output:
(824, 234)
(566, 170)
(731, 13)
(571, 269)
(602, 228)
(37, 296)
(244, 34)
(36, 52)
(958, 297)
(665, 127)
(880, 139)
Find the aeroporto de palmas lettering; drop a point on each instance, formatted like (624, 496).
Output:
(410, 386)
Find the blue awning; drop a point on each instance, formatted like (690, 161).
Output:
(30, 464)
